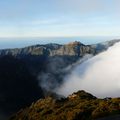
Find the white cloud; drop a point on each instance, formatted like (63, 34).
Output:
(99, 75)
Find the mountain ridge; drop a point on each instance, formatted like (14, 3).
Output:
(78, 106)
(75, 48)
(48, 49)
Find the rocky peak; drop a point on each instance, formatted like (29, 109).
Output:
(75, 43)
(81, 95)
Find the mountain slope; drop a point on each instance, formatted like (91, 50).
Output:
(18, 87)
(78, 106)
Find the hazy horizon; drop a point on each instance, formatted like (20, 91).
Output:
(27, 41)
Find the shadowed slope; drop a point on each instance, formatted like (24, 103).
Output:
(18, 87)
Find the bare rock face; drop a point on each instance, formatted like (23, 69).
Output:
(70, 49)
(73, 49)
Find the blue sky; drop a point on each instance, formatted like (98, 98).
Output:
(54, 18)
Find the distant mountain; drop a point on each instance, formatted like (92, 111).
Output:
(78, 106)
(71, 49)
(104, 45)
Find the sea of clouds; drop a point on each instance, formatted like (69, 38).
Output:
(99, 75)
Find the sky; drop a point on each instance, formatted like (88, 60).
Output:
(55, 18)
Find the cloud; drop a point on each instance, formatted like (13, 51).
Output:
(99, 75)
